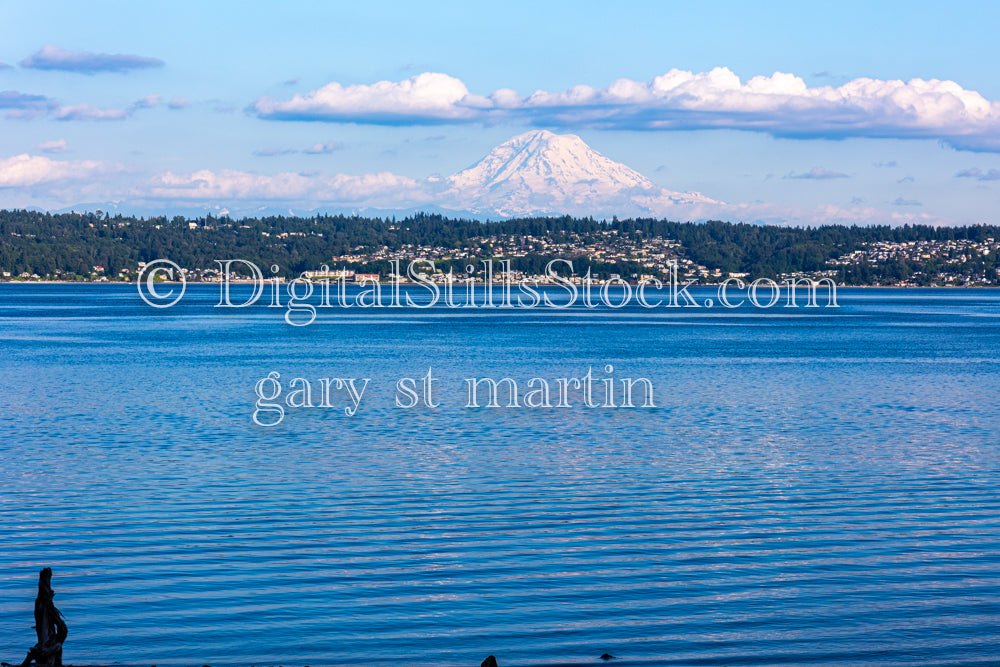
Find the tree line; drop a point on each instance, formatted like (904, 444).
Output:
(71, 244)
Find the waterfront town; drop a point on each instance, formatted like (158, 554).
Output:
(654, 257)
(96, 248)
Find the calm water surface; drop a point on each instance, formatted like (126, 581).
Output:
(813, 486)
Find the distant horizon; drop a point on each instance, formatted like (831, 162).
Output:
(427, 199)
(193, 213)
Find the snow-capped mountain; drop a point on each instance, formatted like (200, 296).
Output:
(535, 173)
(541, 172)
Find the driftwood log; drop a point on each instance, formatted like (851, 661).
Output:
(50, 626)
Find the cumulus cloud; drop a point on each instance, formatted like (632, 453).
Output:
(979, 174)
(178, 103)
(781, 105)
(323, 148)
(426, 98)
(906, 202)
(4, 66)
(818, 174)
(55, 146)
(22, 171)
(886, 165)
(84, 62)
(382, 189)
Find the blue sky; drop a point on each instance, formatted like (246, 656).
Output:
(138, 102)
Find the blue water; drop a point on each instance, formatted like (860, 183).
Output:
(814, 486)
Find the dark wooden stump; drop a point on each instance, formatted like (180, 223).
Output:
(50, 626)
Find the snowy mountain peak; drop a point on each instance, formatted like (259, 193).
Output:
(542, 162)
(541, 172)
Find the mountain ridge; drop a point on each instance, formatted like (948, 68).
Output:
(541, 172)
(536, 173)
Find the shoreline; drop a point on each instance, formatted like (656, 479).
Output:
(406, 284)
(705, 285)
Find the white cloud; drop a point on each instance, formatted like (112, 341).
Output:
(22, 171)
(426, 97)
(88, 111)
(781, 104)
(54, 146)
(382, 189)
(323, 148)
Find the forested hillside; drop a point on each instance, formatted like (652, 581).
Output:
(69, 246)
